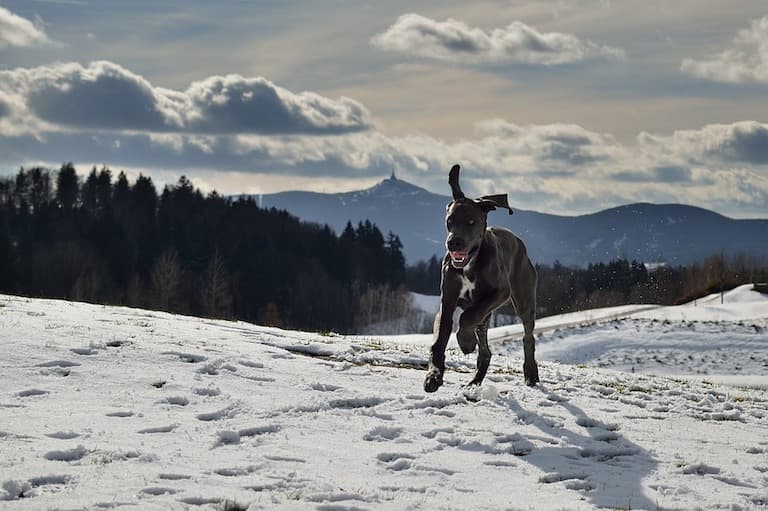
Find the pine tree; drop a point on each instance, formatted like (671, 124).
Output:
(66, 187)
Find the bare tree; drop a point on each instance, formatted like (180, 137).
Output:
(216, 294)
(166, 280)
(270, 316)
(382, 309)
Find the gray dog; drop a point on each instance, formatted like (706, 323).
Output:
(485, 268)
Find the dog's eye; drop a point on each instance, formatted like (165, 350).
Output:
(471, 222)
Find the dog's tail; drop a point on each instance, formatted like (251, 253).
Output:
(453, 180)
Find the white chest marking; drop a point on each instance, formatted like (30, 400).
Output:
(467, 286)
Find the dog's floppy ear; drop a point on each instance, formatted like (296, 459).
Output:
(490, 202)
(453, 180)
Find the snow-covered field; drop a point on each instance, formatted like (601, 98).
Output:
(117, 408)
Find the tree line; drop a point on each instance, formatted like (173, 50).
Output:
(563, 289)
(102, 239)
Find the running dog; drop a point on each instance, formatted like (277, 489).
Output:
(483, 269)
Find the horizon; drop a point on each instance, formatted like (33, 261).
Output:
(570, 108)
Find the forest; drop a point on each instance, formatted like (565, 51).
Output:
(102, 239)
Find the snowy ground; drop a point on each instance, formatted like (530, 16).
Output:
(117, 408)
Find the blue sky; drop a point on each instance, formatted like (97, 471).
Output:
(571, 107)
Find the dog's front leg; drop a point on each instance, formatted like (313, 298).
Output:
(473, 329)
(442, 331)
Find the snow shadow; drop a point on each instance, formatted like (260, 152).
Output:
(592, 458)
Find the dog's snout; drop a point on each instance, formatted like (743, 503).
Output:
(454, 243)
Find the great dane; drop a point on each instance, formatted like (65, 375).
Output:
(484, 268)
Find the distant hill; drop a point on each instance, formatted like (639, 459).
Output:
(675, 233)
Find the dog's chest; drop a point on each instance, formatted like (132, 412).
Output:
(467, 286)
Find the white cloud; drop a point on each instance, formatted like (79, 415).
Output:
(106, 96)
(746, 60)
(557, 168)
(562, 168)
(739, 143)
(18, 31)
(454, 41)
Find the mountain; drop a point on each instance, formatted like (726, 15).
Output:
(675, 233)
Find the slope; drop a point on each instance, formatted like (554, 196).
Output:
(117, 408)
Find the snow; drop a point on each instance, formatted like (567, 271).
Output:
(118, 408)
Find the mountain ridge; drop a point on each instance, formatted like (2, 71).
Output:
(673, 233)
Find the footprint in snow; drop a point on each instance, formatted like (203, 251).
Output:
(433, 432)
(259, 430)
(287, 459)
(227, 437)
(236, 471)
(63, 435)
(214, 368)
(201, 501)
(699, 469)
(356, 402)
(175, 400)
(159, 490)
(159, 429)
(49, 480)
(225, 413)
(173, 477)
(32, 392)
(189, 358)
(250, 363)
(17, 490)
(120, 413)
(207, 391)
(59, 363)
(67, 455)
(324, 387)
(586, 422)
(382, 434)
(576, 481)
(608, 453)
(84, 351)
(395, 461)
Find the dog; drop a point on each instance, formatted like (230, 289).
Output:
(483, 269)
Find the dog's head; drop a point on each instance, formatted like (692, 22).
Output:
(465, 220)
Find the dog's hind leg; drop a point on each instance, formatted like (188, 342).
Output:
(523, 283)
(530, 368)
(483, 354)
(526, 310)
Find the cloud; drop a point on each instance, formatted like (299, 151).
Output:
(662, 174)
(454, 41)
(559, 168)
(744, 142)
(18, 31)
(746, 60)
(106, 96)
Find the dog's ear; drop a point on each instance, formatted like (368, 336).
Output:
(453, 180)
(490, 202)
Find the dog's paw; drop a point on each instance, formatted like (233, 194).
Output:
(531, 373)
(433, 381)
(467, 341)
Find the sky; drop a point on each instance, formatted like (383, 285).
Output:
(569, 106)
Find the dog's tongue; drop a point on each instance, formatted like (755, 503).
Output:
(459, 256)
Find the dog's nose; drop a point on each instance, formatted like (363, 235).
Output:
(454, 243)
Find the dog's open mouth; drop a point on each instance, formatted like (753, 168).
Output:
(459, 258)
